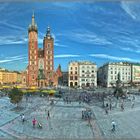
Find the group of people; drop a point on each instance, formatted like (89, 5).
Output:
(85, 97)
(67, 99)
(108, 107)
(86, 114)
(34, 121)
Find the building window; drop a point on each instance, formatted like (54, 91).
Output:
(71, 77)
(71, 72)
(75, 77)
(111, 72)
(75, 68)
(83, 71)
(71, 68)
(75, 72)
(48, 46)
(75, 83)
(92, 71)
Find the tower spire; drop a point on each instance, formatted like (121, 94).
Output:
(33, 18)
(48, 31)
(33, 25)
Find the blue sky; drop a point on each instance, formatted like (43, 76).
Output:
(95, 31)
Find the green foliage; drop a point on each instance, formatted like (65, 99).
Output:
(15, 95)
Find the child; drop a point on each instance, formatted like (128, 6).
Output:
(39, 125)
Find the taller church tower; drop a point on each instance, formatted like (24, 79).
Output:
(32, 53)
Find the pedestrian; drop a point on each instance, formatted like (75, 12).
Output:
(110, 106)
(106, 105)
(23, 118)
(106, 110)
(48, 114)
(132, 105)
(34, 122)
(133, 97)
(122, 106)
(113, 126)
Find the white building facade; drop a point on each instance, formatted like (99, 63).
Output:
(82, 74)
(107, 74)
(87, 74)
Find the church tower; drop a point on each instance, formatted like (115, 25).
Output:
(32, 53)
(48, 46)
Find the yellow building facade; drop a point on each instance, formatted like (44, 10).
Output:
(7, 77)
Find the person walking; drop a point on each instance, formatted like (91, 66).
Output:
(110, 106)
(48, 114)
(122, 107)
(34, 122)
(113, 126)
(23, 118)
(106, 110)
(132, 105)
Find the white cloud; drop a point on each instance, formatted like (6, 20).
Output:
(11, 60)
(7, 40)
(85, 36)
(13, 26)
(132, 8)
(105, 56)
(60, 45)
(66, 56)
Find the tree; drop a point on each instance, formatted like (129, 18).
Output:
(15, 96)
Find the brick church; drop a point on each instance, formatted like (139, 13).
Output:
(40, 70)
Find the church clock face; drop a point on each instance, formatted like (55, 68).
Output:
(41, 64)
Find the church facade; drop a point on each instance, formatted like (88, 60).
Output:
(40, 70)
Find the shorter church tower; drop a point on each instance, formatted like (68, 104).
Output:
(48, 45)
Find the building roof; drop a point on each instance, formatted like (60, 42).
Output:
(82, 62)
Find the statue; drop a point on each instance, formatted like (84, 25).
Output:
(118, 90)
